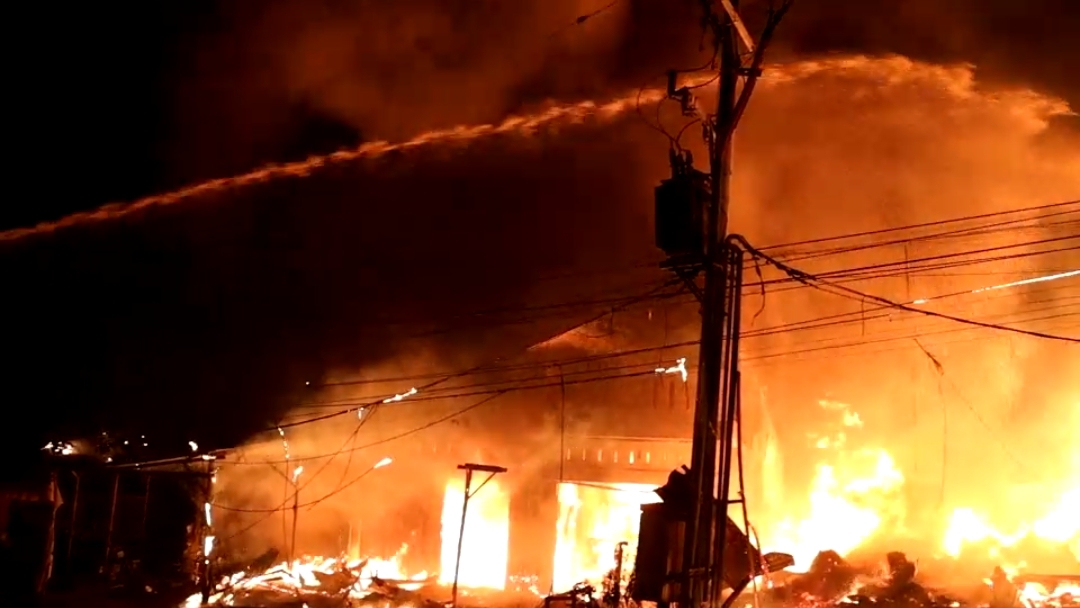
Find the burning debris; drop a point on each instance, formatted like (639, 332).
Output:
(833, 581)
(319, 581)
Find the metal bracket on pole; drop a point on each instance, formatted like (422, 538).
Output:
(469, 467)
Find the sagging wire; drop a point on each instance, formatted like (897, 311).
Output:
(816, 282)
(761, 284)
(982, 421)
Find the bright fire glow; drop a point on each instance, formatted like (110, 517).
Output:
(1056, 520)
(485, 550)
(970, 531)
(1035, 594)
(593, 520)
(679, 369)
(853, 494)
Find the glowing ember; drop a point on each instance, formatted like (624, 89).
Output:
(484, 552)
(593, 520)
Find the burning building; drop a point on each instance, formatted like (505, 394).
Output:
(573, 497)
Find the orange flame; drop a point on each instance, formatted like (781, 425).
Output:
(593, 520)
(486, 542)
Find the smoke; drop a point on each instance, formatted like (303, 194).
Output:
(828, 147)
(262, 82)
(383, 71)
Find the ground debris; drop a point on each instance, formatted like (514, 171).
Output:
(833, 581)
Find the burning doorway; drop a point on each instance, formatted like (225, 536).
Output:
(593, 519)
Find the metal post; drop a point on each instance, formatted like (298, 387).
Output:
(461, 535)
(112, 521)
(295, 514)
(469, 467)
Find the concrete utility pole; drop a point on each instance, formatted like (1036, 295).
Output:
(696, 242)
(710, 359)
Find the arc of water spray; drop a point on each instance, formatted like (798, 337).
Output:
(520, 125)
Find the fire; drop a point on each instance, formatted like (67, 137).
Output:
(1034, 595)
(852, 495)
(1060, 526)
(486, 542)
(593, 520)
(1055, 525)
(312, 576)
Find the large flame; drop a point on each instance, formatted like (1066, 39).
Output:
(1053, 516)
(593, 520)
(852, 495)
(486, 542)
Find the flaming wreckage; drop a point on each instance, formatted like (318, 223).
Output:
(750, 578)
(628, 551)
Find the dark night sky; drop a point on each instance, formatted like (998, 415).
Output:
(226, 306)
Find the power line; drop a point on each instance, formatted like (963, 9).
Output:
(342, 487)
(816, 323)
(965, 233)
(902, 264)
(793, 256)
(794, 274)
(957, 220)
(449, 377)
(605, 375)
(504, 390)
(817, 283)
(373, 406)
(473, 393)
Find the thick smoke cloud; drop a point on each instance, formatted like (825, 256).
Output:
(265, 81)
(387, 71)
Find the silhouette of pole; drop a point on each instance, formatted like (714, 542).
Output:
(469, 467)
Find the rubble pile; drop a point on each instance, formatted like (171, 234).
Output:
(320, 583)
(832, 581)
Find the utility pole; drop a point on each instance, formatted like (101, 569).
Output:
(703, 469)
(492, 471)
(295, 510)
(692, 228)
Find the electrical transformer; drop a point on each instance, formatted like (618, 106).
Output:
(680, 207)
